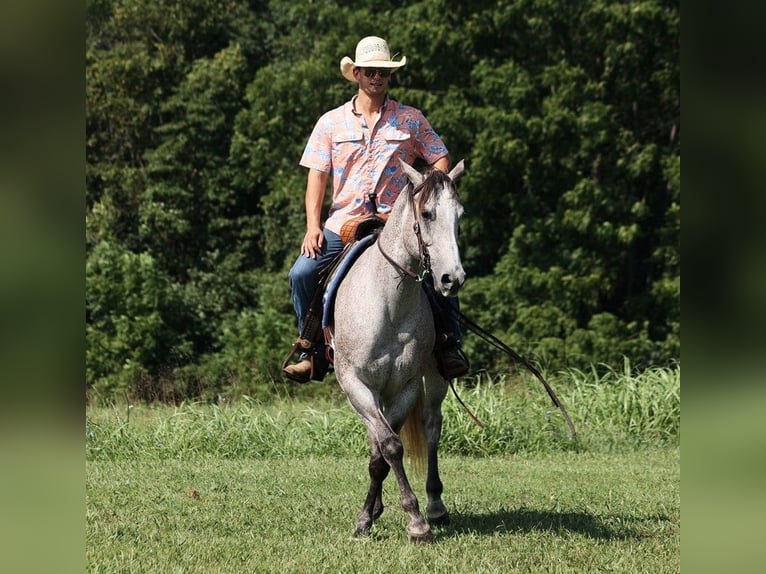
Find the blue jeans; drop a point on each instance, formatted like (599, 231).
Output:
(304, 275)
(304, 278)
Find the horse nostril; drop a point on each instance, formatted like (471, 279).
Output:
(446, 279)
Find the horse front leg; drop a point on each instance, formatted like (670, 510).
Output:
(393, 452)
(373, 504)
(436, 511)
(436, 390)
(385, 448)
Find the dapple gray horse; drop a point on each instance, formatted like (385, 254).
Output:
(383, 338)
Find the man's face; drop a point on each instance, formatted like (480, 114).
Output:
(373, 81)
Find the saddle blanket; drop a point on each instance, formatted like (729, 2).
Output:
(350, 257)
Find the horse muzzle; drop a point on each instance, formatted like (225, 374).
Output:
(450, 283)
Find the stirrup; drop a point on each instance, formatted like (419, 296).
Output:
(319, 364)
(457, 367)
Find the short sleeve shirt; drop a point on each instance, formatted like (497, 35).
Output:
(364, 160)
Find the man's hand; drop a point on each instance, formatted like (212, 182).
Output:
(312, 242)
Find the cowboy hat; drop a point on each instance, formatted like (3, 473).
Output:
(371, 52)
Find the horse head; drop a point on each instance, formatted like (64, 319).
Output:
(437, 212)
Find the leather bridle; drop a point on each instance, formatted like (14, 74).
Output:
(425, 257)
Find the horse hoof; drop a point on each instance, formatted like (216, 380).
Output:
(420, 535)
(361, 533)
(426, 537)
(437, 513)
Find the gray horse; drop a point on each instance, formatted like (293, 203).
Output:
(383, 338)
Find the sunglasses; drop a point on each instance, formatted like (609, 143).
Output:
(370, 72)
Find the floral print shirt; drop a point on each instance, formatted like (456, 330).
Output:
(364, 159)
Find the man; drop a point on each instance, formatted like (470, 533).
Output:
(361, 143)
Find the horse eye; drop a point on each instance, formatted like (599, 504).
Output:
(428, 215)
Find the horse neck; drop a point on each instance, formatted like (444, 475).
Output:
(398, 238)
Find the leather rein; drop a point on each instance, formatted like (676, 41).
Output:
(425, 257)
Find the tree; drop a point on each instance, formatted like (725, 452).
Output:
(567, 113)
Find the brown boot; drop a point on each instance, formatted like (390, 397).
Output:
(452, 362)
(310, 367)
(300, 372)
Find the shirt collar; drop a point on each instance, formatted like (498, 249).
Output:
(358, 114)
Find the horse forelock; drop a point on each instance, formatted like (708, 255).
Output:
(435, 180)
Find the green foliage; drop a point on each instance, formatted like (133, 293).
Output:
(135, 322)
(568, 114)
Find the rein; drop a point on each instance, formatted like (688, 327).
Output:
(498, 344)
(425, 257)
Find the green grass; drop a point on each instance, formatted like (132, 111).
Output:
(246, 486)
(568, 512)
(613, 412)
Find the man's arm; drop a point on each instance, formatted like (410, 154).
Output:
(315, 191)
(442, 164)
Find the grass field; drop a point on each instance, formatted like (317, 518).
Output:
(569, 512)
(248, 487)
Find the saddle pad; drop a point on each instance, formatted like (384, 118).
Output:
(328, 301)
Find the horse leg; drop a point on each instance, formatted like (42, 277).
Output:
(393, 451)
(373, 504)
(436, 390)
(377, 507)
(436, 511)
(386, 448)
(389, 454)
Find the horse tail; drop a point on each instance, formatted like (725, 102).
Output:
(413, 435)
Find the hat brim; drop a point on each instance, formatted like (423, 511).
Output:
(347, 66)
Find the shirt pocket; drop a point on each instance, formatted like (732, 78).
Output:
(347, 147)
(397, 137)
(399, 143)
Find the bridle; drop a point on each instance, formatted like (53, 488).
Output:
(425, 257)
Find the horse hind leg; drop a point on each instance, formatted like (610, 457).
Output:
(436, 390)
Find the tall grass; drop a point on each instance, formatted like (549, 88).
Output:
(613, 411)
(643, 409)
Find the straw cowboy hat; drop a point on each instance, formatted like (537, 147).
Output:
(371, 52)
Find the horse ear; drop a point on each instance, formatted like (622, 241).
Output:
(457, 170)
(414, 175)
